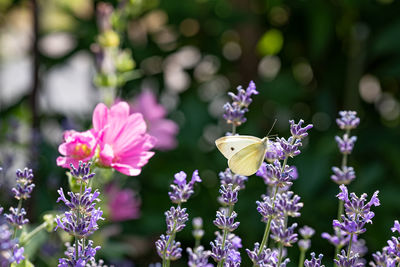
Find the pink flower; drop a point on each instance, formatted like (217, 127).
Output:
(77, 146)
(122, 138)
(123, 204)
(154, 114)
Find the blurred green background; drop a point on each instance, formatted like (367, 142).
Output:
(308, 58)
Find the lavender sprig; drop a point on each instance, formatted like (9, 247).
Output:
(304, 244)
(280, 176)
(167, 248)
(347, 121)
(81, 219)
(235, 111)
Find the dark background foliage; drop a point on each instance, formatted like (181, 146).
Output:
(309, 60)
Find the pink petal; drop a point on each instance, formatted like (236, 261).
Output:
(100, 115)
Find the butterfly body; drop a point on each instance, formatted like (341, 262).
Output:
(245, 153)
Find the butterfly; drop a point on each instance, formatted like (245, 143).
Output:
(245, 153)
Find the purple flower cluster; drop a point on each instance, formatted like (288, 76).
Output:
(22, 191)
(228, 177)
(390, 255)
(168, 250)
(314, 262)
(306, 233)
(348, 121)
(235, 112)
(24, 186)
(182, 190)
(176, 217)
(198, 257)
(9, 250)
(280, 203)
(345, 260)
(85, 255)
(267, 257)
(357, 212)
(80, 220)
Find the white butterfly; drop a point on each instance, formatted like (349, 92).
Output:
(244, 153)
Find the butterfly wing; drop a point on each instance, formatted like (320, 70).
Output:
(230, 145)
(248, 160)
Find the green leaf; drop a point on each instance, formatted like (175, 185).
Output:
(24, 263)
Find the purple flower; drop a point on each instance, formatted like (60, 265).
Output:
(172, 252)
(339, 239)
(383, 259)
(229, 195)
(290, 147)
(280, 234)
(348, 120)
(18, 254)
(396, 226)
(306, 232)
(274, 152)
(81, 220)
(343, 261)
(16, 217)
(163, 129)
(314, 262)
(6, 245)
(82, 172)
(267, 257)
(266, 208)
(218, 252)
(176, 219)
(198, 231)
(181, 190)
(343, 176)
(357, 212)
(227, 177)
(226, 222)
(235, 111)
(297, 131)
(393, 248)
(346, 144)
(84, 257)
(355, 207)
(304, 244)
(24, 186)
(274, 174)
(198, 257)
(288, 204)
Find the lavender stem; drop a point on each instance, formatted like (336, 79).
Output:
(349, 248)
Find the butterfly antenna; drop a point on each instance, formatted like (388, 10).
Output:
(271, 128)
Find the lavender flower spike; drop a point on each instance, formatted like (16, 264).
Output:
(24, 186)
(346, 144)
(182, 190)
(343, 176)
(351, 261)
(297, 131)
(348, 120)
(314, 262)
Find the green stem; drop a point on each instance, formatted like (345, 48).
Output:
(18, 210)
(301, 258)
(26, 238)
(280, 254)
(170, 240)
(233, 129)
(268, 226)
(349, 248)
(221, 263)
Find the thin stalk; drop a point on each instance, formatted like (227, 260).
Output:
(349, 248)
(280, 254)
(18, 210)
(221, 263)
(301, 258)
(268, 226)
(166, 262)
(25, 239)
(233, 129)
